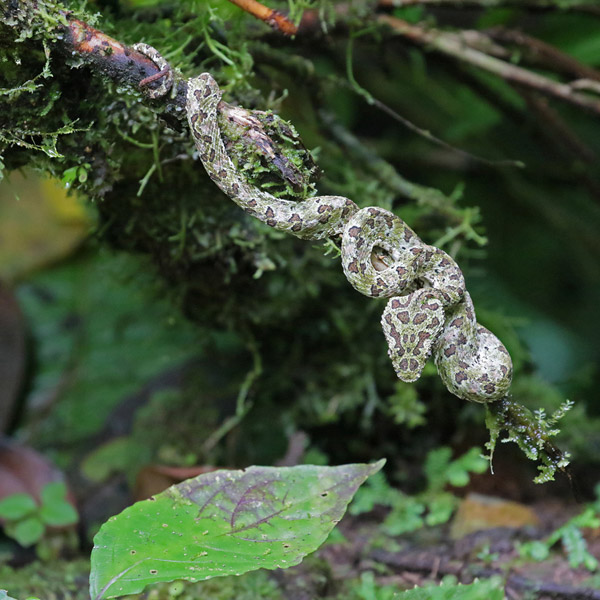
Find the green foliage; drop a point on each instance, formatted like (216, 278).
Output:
(97, 325)
(571, 538)
(531, 432)
(490, 589)
(405, 406)
(26, 521)
(432, 506)
(368, 589)
(48, 580)
(78, 173)
(222, 523)
(68, 580)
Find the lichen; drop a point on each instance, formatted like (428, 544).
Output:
(531, 432)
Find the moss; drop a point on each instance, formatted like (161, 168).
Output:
(57, 580)
(269, 151)
(532, 433)
(68, 580)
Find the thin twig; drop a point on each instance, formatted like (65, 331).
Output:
(271, 17)
(356, 87)
(386, 173)
(582, 5)
(452, 45)
(543, 54)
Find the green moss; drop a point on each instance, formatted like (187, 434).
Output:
(68, 580)
(532, 433)
(268, 151)
(57, 580)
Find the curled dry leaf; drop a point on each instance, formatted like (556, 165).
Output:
(154, 479)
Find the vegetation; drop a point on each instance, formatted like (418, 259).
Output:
(170, 334)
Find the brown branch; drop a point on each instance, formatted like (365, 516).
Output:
(544, 54)
(271, 17)
(112, 58)
(123, 64)
(452, 45)
(582, 6)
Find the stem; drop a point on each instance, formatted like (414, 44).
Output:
(271, 17)
(452, 45)
(575, 5)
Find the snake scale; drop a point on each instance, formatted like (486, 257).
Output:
(429, 311)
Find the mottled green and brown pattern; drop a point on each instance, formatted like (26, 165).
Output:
(315, 218)
(429, 311)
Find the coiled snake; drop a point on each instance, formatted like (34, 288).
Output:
(429, 311)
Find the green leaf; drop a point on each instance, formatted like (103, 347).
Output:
(407, 515)
(535, 550)
(54, 493)
(59, 515)
(56, 510)
(440, 509)
(17, 506)
(436, 466)
(27, 531)
(576, 547)
(222, 523)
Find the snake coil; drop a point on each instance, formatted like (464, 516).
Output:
(429, 311)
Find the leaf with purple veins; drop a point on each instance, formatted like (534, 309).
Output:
(223, 523)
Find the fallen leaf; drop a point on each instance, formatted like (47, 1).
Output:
(40, 223)
(477, 512)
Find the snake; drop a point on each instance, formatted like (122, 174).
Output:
(429, 312)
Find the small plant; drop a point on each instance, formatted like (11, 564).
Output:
(432, 506)
(449, 589)
(78, 173)
(571, 537)
(26, 521)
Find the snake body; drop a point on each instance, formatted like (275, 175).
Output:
(429, 311)
(316, 218)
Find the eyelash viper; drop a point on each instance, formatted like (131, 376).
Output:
(429, 311)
